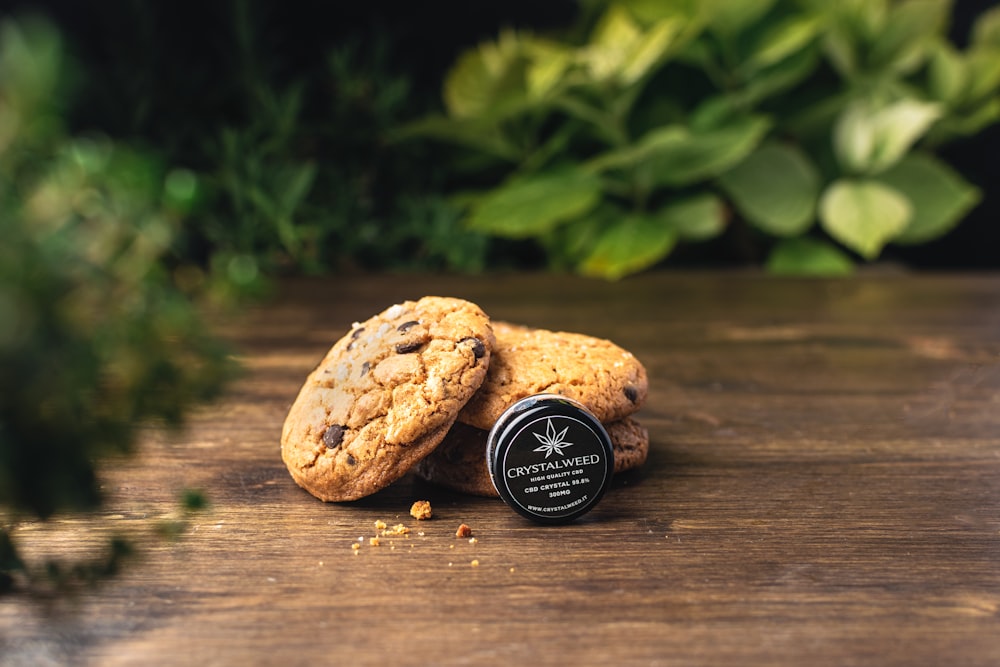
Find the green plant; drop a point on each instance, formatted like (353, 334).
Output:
(814, 123)
(306, 182)
(99, 325)
(285, 135)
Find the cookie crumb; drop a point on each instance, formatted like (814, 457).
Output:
(380, 525)
(472, 540)
(421, 510)
(463, 531)
(511, 569)
(373, 541)
(356, 546)
(398, 529)
(475, 562)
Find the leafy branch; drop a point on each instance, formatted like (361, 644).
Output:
(101, 327)
(815, 124)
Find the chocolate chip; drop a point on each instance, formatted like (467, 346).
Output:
(632, 394)
(406, 348)
(354, 337)
(333, 436)
(351, 460)
(365, 367)
(478, 349)
(406, 326)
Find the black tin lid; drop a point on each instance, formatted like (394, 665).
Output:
(550, 459)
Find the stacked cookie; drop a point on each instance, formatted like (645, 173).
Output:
(418, 386)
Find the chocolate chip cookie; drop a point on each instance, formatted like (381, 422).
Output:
(608, 380)
(385, 395)
(459, 462)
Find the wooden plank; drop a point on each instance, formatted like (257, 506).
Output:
(823, 487)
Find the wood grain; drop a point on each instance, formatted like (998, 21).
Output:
(823, 488)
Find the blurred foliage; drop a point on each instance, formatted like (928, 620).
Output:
(99, 324)
(815, 124)
(288, 140)
(291, 194)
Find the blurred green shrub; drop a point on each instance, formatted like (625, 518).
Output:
(814, 123)
(286, 135)
(99, 324)
(291, 194)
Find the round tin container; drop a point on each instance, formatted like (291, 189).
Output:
(549, 458)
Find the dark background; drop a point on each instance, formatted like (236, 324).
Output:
(185, 52)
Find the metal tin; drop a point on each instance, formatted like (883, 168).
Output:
(549, 458)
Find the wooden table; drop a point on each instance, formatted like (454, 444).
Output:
(823, 488)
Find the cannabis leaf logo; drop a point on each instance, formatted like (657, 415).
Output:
(552, 441)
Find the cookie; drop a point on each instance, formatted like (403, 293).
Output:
(606, 379)
(384, 396)
(631, 442)
(459, 462)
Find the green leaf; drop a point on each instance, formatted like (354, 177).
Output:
(469, 132)
(864, 215)
(776, 189)
(863, 18)
(615, 28)
(728, 18)
(869, 139)
(535, 204)
(947, 73)
(902, 43)
(612, 38)
(631, 244)
(984, 74)
(487, 81)
(967, 124)
(854, 138)
(711, 113)
(898, 127)
(549, 61)
(781, 41)
(567, 245)
(675, 155)
(780, 76)
(939, 196)
(651, 11)
(841, 52)
(986, 29)
(695, 218)
(295, 183)
(292, 185)
(852, 26)
(621, 49)
(650, 49)
(808, 257)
